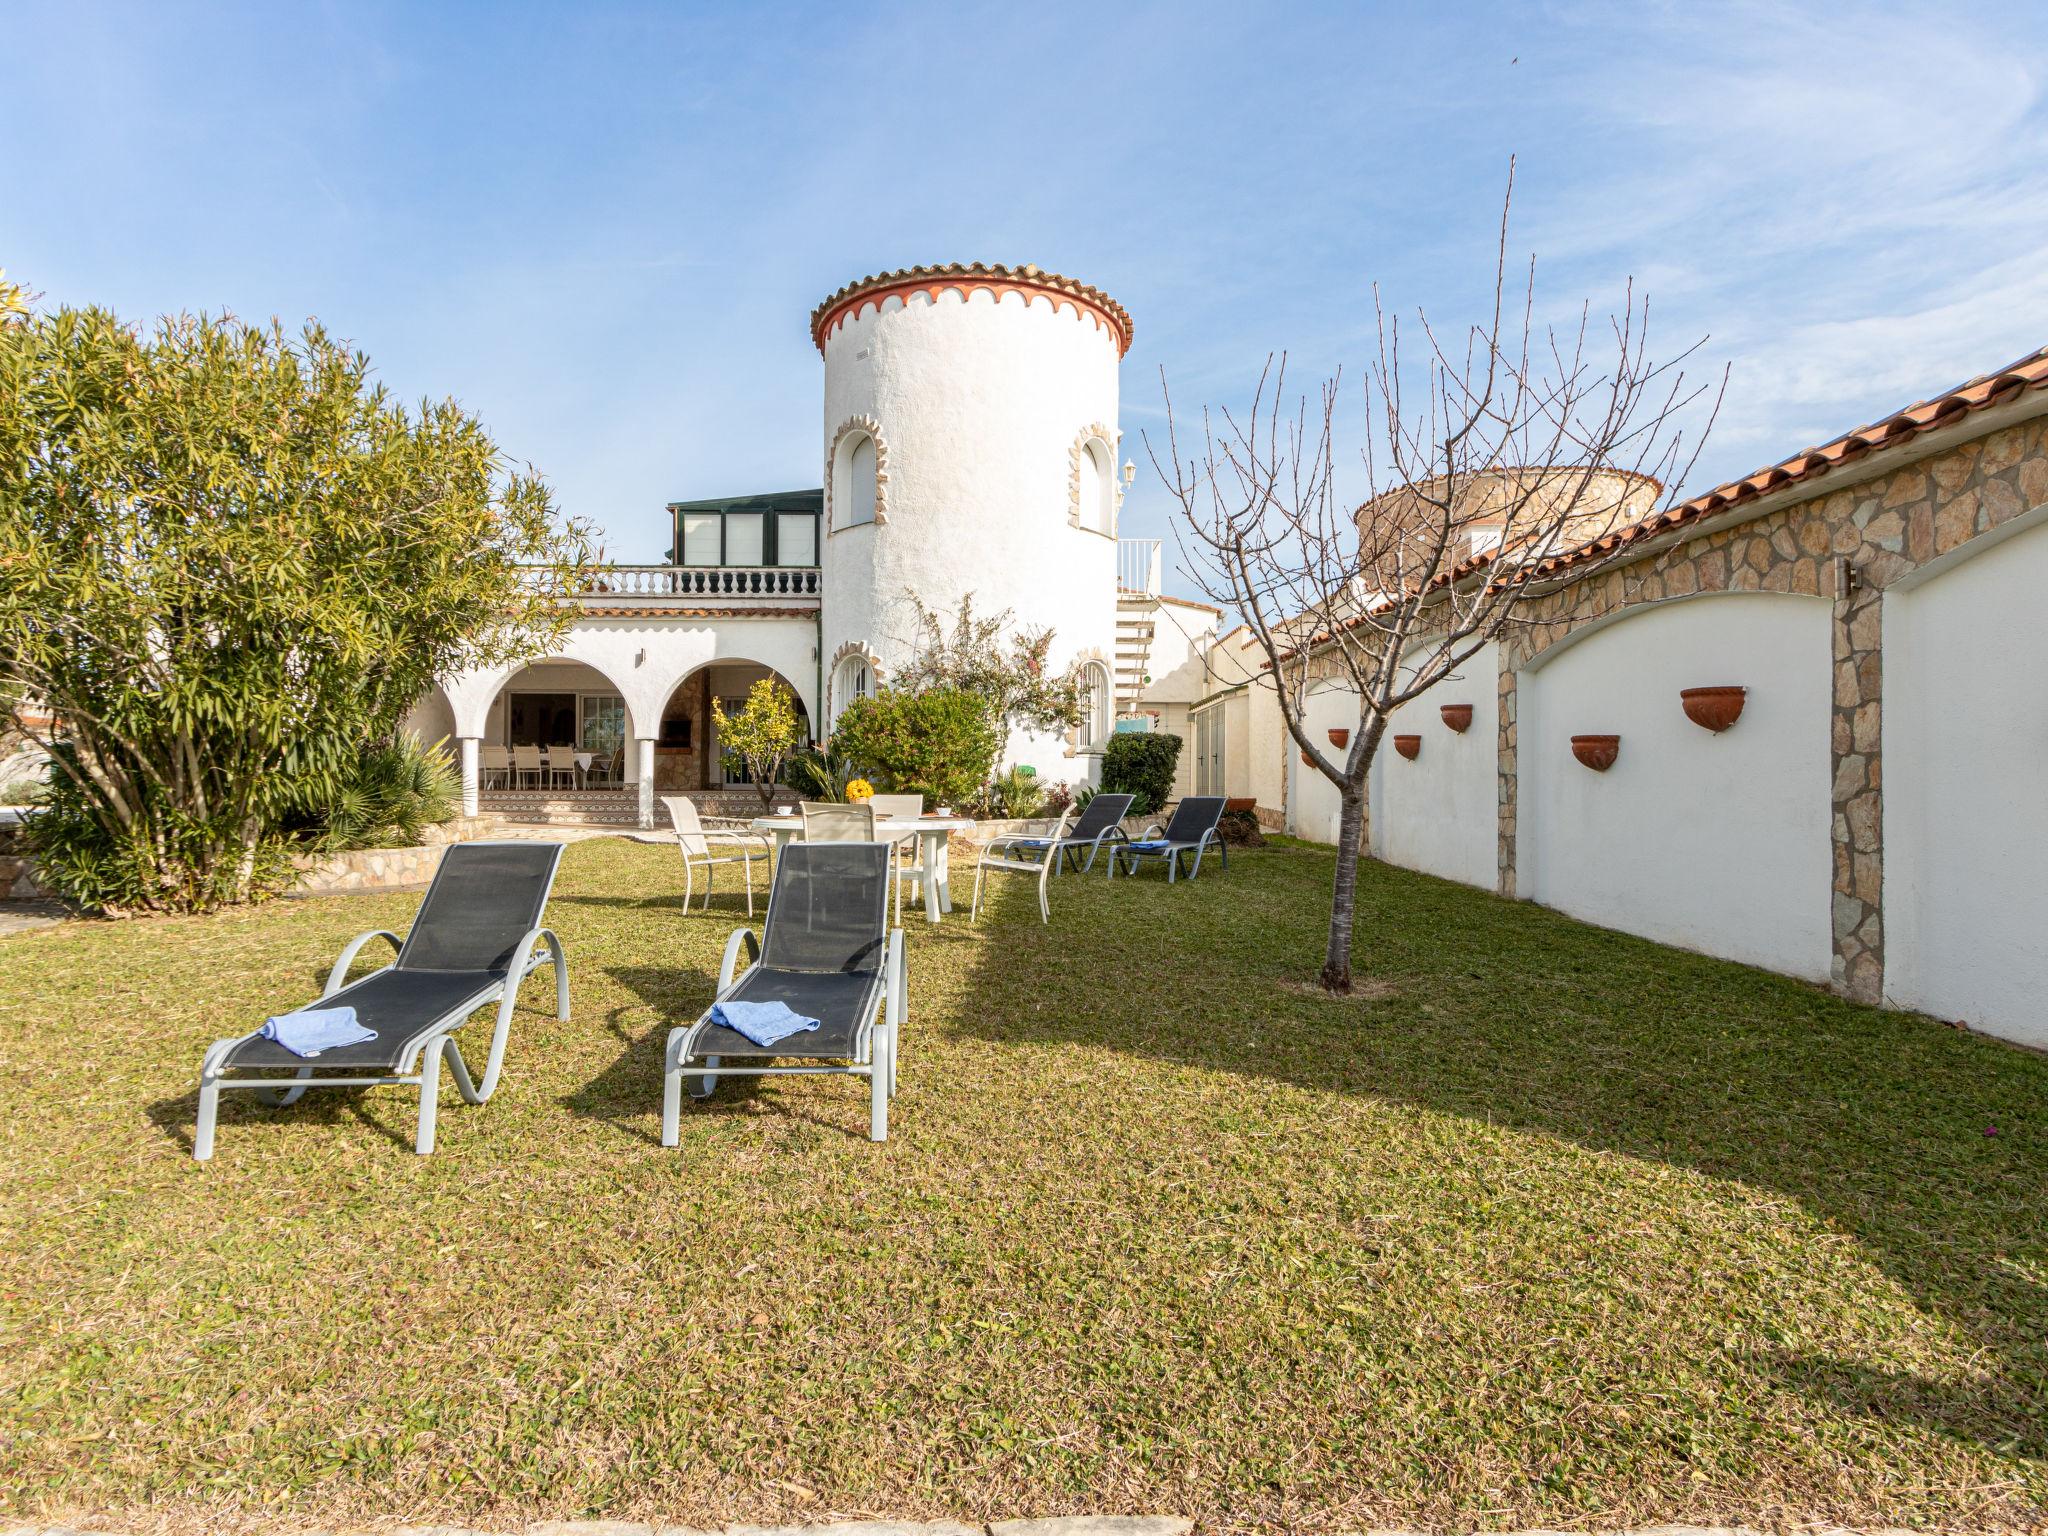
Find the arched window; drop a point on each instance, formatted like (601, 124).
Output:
(853, 481)
(1097, 503)
(855, 679)
(1097, 700)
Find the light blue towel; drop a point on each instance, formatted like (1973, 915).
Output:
(762, 1023)
(313, 1030)
(1152, 845)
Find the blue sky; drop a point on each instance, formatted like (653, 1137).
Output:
(602, 227)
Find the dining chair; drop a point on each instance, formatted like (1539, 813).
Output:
(496, 763)
(825, 823)
(905, 854)
(527, 765)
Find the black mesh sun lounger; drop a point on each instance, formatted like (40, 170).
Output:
(1189, 831)
(1100, 821)
(477, 936)
(826, 951)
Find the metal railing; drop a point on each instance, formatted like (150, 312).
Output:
(701, 581)
(1137, 566)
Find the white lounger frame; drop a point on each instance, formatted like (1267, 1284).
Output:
(437, 1040)
(875, 1046)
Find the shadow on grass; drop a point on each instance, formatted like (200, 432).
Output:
(622, 1094)
(176, 1116)
(1508, 1013)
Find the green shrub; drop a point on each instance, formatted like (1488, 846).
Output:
(939, 743)
(173, 860)
(1141, 766)
(820, 773)
(1016, 795)
(388, 798)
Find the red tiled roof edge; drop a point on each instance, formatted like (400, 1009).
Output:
(1942, 410)
(1945, 409)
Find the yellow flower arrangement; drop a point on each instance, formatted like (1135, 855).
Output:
(859, 791)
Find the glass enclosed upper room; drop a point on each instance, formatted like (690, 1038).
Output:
(779, 529)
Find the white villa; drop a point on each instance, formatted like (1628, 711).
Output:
(968, 444)
(1868, 816)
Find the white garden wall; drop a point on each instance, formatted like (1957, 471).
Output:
(1313, 806)
(1439, 813)
(1965, 811)
(1719, 843)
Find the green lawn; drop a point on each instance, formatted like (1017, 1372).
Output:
(1564, 1228)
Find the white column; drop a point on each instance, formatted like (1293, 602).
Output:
(469, 775)
(646, 757)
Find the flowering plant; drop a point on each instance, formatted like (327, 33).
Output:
(859, 791)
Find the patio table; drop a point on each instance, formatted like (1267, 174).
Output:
(932, 831)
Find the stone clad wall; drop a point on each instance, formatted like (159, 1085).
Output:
(1847, 545)
(1882, 530)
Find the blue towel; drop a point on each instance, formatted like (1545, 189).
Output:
(1152, 845)
(313, 1030)
(1034, 842)
(762, 1023)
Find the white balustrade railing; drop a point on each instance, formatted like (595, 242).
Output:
(701, 581)
(1137, 565)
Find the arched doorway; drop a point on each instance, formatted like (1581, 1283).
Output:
(688, 757)
(576, 716)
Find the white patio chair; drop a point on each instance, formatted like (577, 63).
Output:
(561, 766)
(825, 823)
(706, 848)
(528, 767)
(496, 763)
(1036, 855)
(906, 853)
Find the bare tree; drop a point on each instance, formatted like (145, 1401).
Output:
(1515, 444)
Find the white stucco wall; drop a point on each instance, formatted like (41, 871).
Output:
(1965, 813)
(1313, 806)
(978, 405)
(1440, 812)
(1718, 843)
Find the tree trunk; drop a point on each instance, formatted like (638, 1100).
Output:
(1336, 975)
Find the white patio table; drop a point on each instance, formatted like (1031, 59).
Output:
(932, 831)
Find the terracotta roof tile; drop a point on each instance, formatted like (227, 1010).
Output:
(1901, 426)
(967, 274)
(1944, 409)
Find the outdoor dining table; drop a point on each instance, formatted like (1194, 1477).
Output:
(932, 831)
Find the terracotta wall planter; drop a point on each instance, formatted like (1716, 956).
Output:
(1340, 736)
(1715, 708)
(1307, 761)
(1596, 752)
(1457, 716)
(1408, 746)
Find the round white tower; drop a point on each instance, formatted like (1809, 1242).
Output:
(971, 446)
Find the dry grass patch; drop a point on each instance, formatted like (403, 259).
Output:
(1569, 1229)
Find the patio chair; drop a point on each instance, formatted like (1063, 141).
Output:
(826, 823)
(1023, 856)
(904, 852)
(561, 766)
(528, 767)
(826, 951)
(1192, 829)
(476, 938)
(1100, 822)
(607, 769)
(701, 845)
(496, 763)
